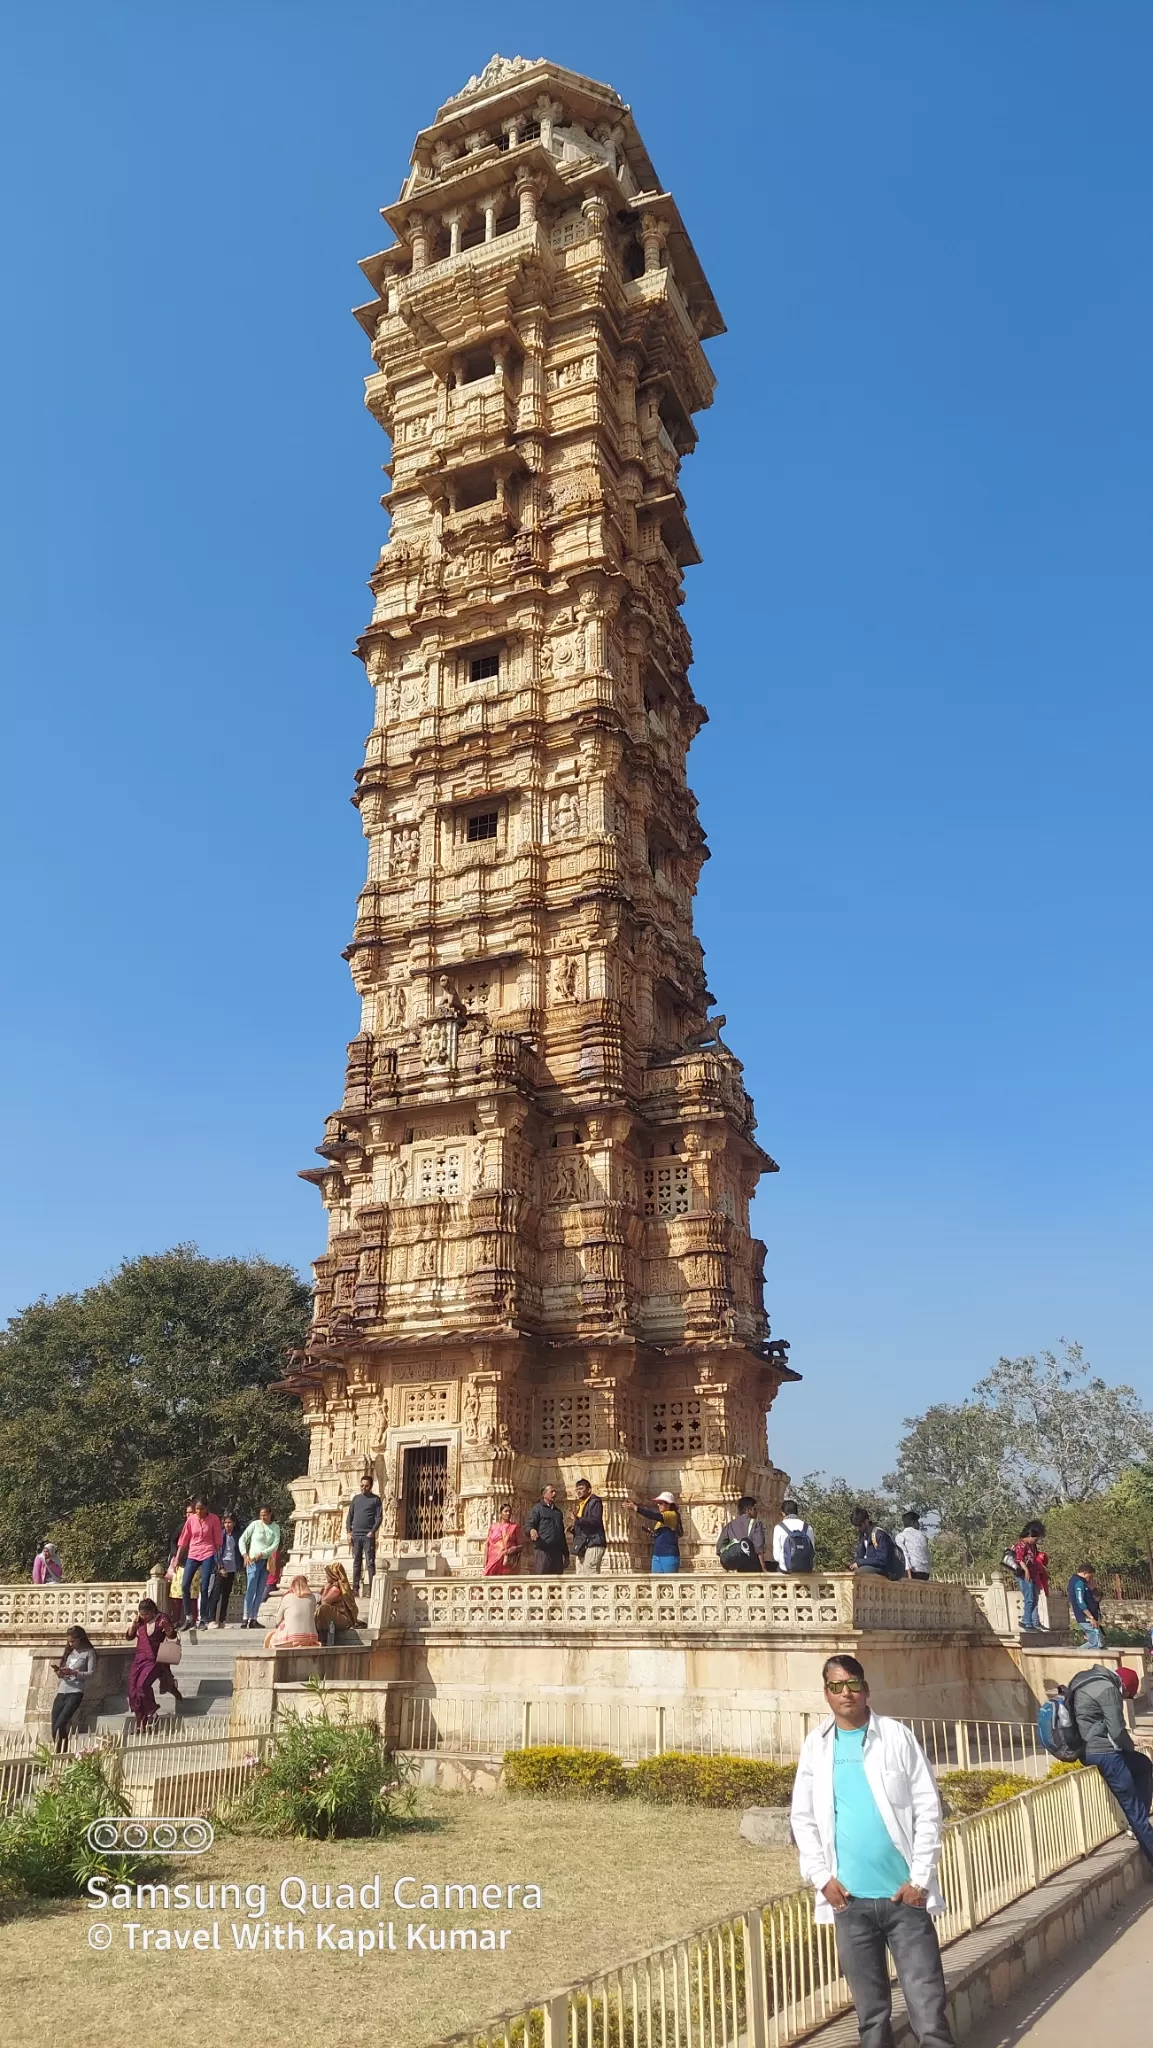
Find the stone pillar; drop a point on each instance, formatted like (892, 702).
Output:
(418, 228)
(531, 411)
(528, 191)
(653, 240)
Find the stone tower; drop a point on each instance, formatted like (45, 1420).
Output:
(539, 1263)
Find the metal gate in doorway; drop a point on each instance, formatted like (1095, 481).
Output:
(425, 1487)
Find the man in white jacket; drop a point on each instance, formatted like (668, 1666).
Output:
(867, 1824)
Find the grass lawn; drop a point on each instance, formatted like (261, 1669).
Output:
(616, 1879)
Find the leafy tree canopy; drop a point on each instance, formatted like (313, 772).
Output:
(1069, 1434)
(828, 1502)
(953, 1464)
(1040, 1436)
(119, 1404)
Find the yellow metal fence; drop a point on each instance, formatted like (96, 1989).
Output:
(487, 1724)
(184, 1771)
(763, 1978)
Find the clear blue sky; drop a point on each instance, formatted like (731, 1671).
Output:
(922, 631)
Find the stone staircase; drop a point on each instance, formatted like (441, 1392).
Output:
(204, 1675)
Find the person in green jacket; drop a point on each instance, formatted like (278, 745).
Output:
(258, 1548)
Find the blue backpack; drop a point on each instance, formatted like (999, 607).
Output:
(798, 1551)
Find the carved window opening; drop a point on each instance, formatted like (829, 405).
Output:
(482, 666)
(482, 363)
(482, 825)
(565, 1422)
(426, 1404)
(633, 256)
(676, 1428)
(668, 1189)
(440, 1175)
(425, 1492)
(479, 489)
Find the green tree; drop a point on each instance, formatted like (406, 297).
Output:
(1069, 1434)
(827, 1504)
(1112, 1531)
(120, 1403)
(954, 1464)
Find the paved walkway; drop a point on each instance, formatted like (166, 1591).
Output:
(1101, 1989)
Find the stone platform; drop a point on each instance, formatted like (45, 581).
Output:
(738, 1643)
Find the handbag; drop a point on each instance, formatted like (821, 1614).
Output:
(171, 1650)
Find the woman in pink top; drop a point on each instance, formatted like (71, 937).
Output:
(47, 1569)
(198, 1549)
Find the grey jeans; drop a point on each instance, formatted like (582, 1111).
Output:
(865, 1929)
(591, 1560)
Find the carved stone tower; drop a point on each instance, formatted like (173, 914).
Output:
(539, 1262)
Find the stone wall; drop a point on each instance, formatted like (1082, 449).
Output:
(737, 1642)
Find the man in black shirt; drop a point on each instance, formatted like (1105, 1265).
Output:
(364, 1513)
(545, 1527)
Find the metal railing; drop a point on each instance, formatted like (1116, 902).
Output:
(162, 1771)
(765, 1977)
(487, 1724)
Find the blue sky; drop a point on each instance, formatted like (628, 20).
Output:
(921, 627)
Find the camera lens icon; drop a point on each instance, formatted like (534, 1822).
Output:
(156, 1835)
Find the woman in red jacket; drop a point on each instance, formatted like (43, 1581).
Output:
(1032, 1570)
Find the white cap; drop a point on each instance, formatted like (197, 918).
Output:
(670, 1497)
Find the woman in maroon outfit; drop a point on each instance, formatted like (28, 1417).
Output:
(150, 1629)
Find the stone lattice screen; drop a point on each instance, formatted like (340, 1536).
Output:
(102, 1609)
(758, 1603)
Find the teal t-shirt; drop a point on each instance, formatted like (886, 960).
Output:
(869, 1864)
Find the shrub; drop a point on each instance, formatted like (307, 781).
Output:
(323, 1778)
(965, 1792)
(565, 1773)
(677, 1780)
(44, 1853)
(1059, 1769)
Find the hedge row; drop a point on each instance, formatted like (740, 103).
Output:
(669, 1780)
(678, 1780)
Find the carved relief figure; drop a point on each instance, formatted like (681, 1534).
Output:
(566, 1179)
(405, 849)
(471, 1413)
(566, 815)
(438, 1044)
(568, 974)
(394, 1006)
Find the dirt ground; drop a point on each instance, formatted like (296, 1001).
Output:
(614, 1880)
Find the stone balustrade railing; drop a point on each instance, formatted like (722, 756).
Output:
(704, 1603)
(104, 1608)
